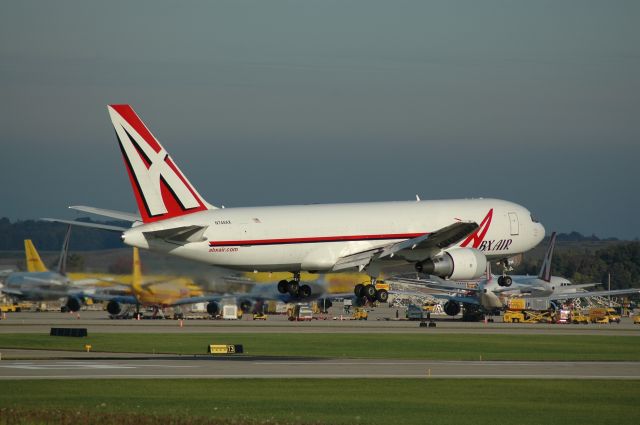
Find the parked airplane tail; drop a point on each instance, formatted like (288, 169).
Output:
(136, 278)
(545, 270)
(34, 263)
(160, 188)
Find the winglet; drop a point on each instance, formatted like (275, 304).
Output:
(545, 270)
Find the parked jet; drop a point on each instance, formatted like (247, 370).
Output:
(161, 295)
(441, 237)
(488, 293)
(40, 284)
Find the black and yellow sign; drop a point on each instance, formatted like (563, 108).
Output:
(225, 349)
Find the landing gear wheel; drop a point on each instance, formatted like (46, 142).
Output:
(304, 291)
(505, 281)
(358, 290)
(370, 292)
(283, 286)
(382, 295)
(294, 288)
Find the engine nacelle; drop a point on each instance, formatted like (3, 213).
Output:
(457, 264)
(245, 306)
(213, 308)
(451, 308)
(114, 308)
(73, 304)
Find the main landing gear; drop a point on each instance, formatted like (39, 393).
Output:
(294, 288)
(505, 280)
(370, 292)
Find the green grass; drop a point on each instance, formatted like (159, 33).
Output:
(345, 401)
(388, 345)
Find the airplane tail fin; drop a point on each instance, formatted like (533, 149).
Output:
(136, 278)
(62, 262)
(160, 188)
(34, 263)
(545, 270)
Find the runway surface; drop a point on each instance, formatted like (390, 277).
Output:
(199, 367)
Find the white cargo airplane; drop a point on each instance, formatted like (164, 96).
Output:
(441, 237)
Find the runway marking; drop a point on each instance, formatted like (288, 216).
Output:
(320, 376)
(85, 365)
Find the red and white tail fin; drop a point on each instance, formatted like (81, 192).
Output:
(160, 188)
(545, 270)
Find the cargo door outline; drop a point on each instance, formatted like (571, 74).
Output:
(513, 223)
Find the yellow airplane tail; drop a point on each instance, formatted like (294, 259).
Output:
(34, 263)
(136, 280)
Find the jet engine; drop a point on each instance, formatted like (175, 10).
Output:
(114, 308)
(457, 264)
(451, 308)
(213, 308)
(245, 306)
(73, 304)
(324, 304)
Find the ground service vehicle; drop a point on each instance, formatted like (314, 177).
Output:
(577, 317)
(259, 316)
(360, 314)
(603, 315)
(512, 316)
(414, 312)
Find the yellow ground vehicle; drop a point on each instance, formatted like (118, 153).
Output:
(603, 315)
(259, 316)
(511, 316)
(636, 319)
(577, 317)
(360, 314)
(15, 307)
(526, 316)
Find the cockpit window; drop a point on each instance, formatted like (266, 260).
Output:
(534, 219)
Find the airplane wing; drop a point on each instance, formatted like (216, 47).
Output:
(12, 292)
(589, 294)
(433, 282)
(119, 298)
(438, 240)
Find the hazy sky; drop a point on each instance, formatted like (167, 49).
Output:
(282, 102)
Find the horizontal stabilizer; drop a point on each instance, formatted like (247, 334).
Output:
(179, 234)
(87, 224)
(118, 215)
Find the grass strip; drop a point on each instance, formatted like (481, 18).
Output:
(330, 401)
(388, 345)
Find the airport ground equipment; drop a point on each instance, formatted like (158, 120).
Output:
(414, 312)
(603, 315)
(577, 317)
(259, 316)
(231, 312)
(360, 314)
(636, 319)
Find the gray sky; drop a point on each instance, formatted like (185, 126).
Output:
(282, 102)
